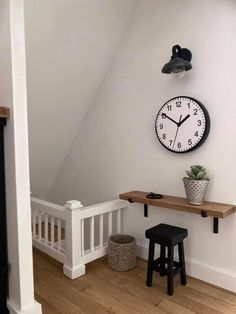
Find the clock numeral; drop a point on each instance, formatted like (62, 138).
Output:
(161, 126)
(171, 141)
(169, 107)
(199, 122)
(189, 105)
(196, 133)
(163, 116)
(195, 112)
(190, 142)
(164, 136)
(179, 145)
(178, 104)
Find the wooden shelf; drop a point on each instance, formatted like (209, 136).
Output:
(4, 112)
(212, 209)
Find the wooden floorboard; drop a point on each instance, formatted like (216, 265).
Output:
(103, 290)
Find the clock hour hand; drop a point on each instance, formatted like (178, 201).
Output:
(184, 119)
(165, 115)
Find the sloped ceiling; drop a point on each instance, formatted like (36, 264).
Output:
(69, 48)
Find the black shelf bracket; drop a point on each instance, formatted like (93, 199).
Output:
(204, 214)
(130, 200)
(145, 210)
(215, 225)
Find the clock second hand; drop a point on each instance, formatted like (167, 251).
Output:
(177, 131)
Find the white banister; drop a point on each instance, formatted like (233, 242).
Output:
(99, 210)
(47, 207)
(52, 232)
(109, 224)
(82, 237)
(59, 234)
(119, 221)
(47, 219)
(46, 229)
(92, 234)
(102, 208)
(34, 223)
(40, 227)
(73, 266)
(101, 230)
(60, 231)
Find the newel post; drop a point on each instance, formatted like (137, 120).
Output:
(73, 267)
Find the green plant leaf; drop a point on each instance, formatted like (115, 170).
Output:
(197, 172)
(201, 175)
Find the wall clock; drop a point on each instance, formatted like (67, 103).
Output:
(182, 124)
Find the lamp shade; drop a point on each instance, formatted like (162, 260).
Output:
(179, 62)
(176, 65)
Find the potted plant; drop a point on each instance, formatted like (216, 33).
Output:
(196, 184)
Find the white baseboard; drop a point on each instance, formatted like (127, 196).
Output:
(213, 275)
(36, 308)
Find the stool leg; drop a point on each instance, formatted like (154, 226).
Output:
(162, 263)
(170, 284)
(150, 263)
(183, 278)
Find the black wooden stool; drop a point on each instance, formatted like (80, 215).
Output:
(167, 236)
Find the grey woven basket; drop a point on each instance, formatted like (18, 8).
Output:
(121, 252)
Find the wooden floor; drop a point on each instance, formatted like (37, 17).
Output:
(103, 290)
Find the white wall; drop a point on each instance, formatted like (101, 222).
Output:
(5, 54)
(117, 149)
(13, 95)
(69, 45)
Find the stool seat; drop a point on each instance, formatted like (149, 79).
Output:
(166, 234)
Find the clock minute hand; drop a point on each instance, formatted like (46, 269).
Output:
(165, 115)
(184, 119)
(177, 130)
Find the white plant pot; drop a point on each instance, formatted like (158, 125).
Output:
(195, 190)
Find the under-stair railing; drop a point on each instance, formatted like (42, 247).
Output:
(48, 228)
(73, 234)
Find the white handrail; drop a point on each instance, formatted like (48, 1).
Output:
(49, 208)
(102, 208)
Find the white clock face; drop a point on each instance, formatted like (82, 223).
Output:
(182, 124)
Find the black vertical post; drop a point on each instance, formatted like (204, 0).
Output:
(162, 261)
(150, 263)
(183, 278)
(215, 224)
(3, 227)
(170, 275)
(145, 210)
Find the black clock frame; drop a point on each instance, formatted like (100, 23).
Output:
(207, 125)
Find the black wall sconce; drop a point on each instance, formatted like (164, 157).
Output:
(179, 62)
